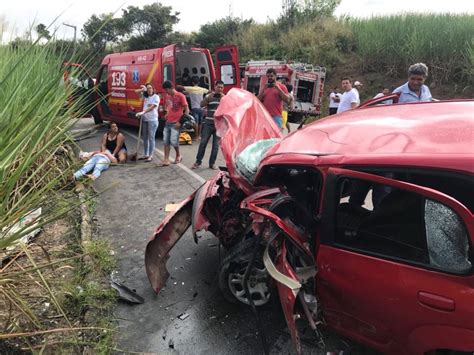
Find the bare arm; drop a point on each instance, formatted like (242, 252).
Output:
(354, 104)
(261, 94)
(291, 102)
(104, 141)
(206, 99)
(186, 109)
(283, 95)
(110, 156)
(141, 89)
(120, 140)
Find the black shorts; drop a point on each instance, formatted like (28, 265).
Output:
(332, 110)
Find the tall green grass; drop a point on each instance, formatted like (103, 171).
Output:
(391, 43)
(34, 119)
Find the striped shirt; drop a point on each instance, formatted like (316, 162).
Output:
(212, 103)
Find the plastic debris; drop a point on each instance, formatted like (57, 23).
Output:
(125, 293)
(183, 316)
(30, 220)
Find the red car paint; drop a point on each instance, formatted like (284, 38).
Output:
(392, 305)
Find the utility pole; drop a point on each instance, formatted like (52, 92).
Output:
(75, 29)
(74, 42)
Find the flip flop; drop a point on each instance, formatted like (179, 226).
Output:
(177, 161)
(196, 166)
(143, 158)
(164, 164)
(149, 159)
(213, 167)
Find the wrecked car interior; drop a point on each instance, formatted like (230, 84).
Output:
(367, 232)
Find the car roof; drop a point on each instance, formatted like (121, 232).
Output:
(438, 134)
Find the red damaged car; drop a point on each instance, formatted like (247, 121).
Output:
(363, 221)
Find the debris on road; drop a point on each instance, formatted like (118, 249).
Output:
(171, 344)
(183, 316)
(125, 293)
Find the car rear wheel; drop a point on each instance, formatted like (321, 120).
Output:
(232, 271)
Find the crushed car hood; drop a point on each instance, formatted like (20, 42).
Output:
(241, 120)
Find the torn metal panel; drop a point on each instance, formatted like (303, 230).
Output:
(288, 296)
(166, 235)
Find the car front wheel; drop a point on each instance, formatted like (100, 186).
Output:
(232, 271)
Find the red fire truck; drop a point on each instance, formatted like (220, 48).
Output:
(307, 81)
(121, 73)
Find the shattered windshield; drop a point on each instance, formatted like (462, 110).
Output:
(247, 131)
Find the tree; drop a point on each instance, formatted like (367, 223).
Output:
(148, 27)
(299, 11)
(319, 8)
(99, 30)
(220, 32)
(42, 31)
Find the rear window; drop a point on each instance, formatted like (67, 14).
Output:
(305, 90)
(224, 56)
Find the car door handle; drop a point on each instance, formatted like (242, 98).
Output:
(435, 301)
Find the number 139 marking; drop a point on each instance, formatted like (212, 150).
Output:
(118, 79)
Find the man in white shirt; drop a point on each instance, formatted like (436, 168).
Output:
(385, 91)
(334, 99)
(350, 97)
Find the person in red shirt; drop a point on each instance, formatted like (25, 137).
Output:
(176, 105)
(273, 96)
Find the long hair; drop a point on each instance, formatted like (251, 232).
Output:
(145, 94)
(110, 128)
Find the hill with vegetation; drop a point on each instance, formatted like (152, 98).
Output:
(376, 51)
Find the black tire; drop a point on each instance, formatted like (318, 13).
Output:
(233, 268)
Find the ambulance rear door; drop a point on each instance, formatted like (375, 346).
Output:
(168, 59)
(227, 66)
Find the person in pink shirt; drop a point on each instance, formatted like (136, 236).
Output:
(273, 96)
(176, 105)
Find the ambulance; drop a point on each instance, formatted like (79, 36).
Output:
(307, 81)
(120, 74)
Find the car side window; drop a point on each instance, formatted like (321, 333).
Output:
(446, 237)
(399, 224)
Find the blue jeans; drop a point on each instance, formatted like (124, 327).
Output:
(278, 120)
(149, 132)
(208, 130)
(96, 164)
(171, 135)
(197, 113)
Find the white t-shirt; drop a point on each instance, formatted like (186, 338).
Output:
(153, 114)
(348, 98)
(332, 103)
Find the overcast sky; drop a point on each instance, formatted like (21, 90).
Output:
(19, 14)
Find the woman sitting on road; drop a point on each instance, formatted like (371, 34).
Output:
(114, 142)
(149, 117)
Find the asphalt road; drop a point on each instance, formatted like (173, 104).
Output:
(129, 208)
